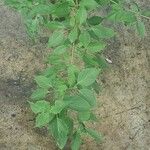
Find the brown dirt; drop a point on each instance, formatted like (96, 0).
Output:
(124, 106)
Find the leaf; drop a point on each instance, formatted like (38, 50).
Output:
(59, 131)
(39, 106)
(58, 107)
(89, 96)
(95, 20)
(103, 32)
(89, 4)
(77, 103)
(60, 50)
(87, 76)
(43, 119)
(85, 38)
(53, 25)
(73, 35)
(94, 134)
(141, 28)
(84, 116)
(81, 15)
(43, 81)
(39, 94)
(96, 46)
(56, 38)
(76, 141)
(146, 13)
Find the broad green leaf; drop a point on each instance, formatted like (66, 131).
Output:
(81, 15)
(59, 131)
(95, 20)
(77, 103)
(85, 38)
(43, 81)
(94, 134)
(56, 39)
(39, 106)
(39, 94)
(60, 50)
(89, 4)
(58, 107)
(87, 76)
(73, 35)
(76, 141)
(140, 28)
(43, 119)
(84, 116)
(89, 96)
(103, 32)
(53, 25)
(96, 46)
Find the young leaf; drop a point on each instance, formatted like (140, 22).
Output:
(89, 96)
(96, 46)
(43, 119)
(85, 38)
(94, 134)
(39, 106)
(95, 20)
(73, 35)
(39, 94)
(141, 28)
(87, 76)
(76, 141)
(56, 39)
(81, 15)
(43, 81)
(60, 50)
(84, 116)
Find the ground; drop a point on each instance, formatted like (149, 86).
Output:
(123, 104)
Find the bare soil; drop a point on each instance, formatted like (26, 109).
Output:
(123, 104)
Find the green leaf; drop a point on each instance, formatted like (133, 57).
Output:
(87, 76)
(56, 38)
(95, 20)
(89, 96)
(141, 28)
(76, 141)
(60, 50)
(43, 81)
(146, 13)
(77, 103)
(53, 25)
(94, 134)
(43, 119)
(89, 4)
(81, 15)
(103, 32)
(59, 131)
(39, 94)
(84, 116)
(85, 38)
(96, 46)
(73, 35)
(39, 106)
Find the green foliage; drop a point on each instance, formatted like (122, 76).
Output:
(78, 38)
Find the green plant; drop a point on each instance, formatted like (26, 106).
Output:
(65, 96)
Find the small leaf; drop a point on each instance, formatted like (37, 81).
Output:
(89, 4)
(43, 81)
(85, 38)
(60, 50)
(39, 94)
(95, 20)
(39, 106)
(76, 141)
(89, 96)
(53, 25)
(84, 116)
(87, 76)
(56, 39)
(96, 46)
(94, 134)
(81, 15)
(43, 119)
(73, 35)
(141, 28)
